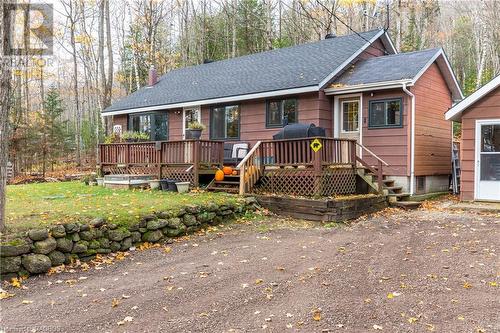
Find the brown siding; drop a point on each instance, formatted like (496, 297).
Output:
(432, 131)
(487, 108)
(390, 144)
(121, 120)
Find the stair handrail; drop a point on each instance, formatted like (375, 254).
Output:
(378, 171)
(249, 160)
(373, 154)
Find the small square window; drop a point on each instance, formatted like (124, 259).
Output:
(386, 113)
(281, 112)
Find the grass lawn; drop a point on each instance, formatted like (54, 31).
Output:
(35, 205)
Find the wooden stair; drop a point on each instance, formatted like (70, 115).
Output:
(395, 193)
(230, 184)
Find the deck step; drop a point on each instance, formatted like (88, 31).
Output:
(399, 195)
(224, 189)
(407, 204)
(394, 188)
(227, 182)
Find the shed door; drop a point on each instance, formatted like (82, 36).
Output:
(488, 160)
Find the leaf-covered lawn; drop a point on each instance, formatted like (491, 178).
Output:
(35, 205)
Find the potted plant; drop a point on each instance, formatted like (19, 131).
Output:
(141, 136)
(154, 184)
(89, 179)
(128, 136)
(182, 187)
(195, 129)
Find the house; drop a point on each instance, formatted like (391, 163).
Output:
(356, 87)
(479, 114)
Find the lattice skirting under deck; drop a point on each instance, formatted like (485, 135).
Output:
(304, 182)
(178, 173)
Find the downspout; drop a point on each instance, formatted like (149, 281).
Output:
(412, 140)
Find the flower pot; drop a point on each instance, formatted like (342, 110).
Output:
(100, 181)
(171, 184)
(195, 133)
(164, 184)
(154, 184)
(182, 187)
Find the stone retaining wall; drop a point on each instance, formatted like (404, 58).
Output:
(60, 244)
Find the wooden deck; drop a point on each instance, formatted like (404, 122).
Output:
(290, 167)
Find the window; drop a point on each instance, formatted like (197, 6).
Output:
(350, 116)
(225, 122)
(281, 112)
(154, 124)
(386, 113)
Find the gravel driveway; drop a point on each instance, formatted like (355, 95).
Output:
(429, 270)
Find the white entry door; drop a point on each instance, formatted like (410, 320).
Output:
(190, 115)
(488, 160)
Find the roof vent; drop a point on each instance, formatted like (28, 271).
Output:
(207, 61)
(153, 76)
(330, 35)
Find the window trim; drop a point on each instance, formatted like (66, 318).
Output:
(281, 100)
(385, 100)
(342, 115)
(154, 113)
(211, 131)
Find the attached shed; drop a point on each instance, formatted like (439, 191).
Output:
(480, 147)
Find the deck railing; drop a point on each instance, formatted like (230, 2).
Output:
(293, 152)
(162, 152)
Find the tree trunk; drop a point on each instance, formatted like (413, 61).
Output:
(5, 87)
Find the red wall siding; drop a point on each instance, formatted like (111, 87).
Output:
(432, 131)
(390, 144)
(487, 108)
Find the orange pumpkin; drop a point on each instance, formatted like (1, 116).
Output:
(235, 172)
(227, 170)
(219, 175)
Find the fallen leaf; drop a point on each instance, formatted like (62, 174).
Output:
(125, 320)
(467, 285)
(114, 303)
(316, 314)
(15, 282)
(25, 301)
(377, 327)
(5, 295)
(259, 281)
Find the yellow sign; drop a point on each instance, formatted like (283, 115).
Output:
(316, 145)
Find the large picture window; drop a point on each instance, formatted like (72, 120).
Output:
(225, 122)
(281, 112)
(153, 124)
(386, 113)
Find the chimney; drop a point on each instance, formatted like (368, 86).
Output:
(153, 76)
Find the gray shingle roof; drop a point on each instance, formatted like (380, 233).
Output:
(292, 67)
(387, 68)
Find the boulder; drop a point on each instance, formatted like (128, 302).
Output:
(10, 264)
(156, 224)
(148, 217)
(45, 246)
(94, 244)
(192, 209)
(118, 234)
(57, 258)
(87, 235)
(251, 201)
(171, 232)
(126, 244)
(112, 226)
(152, 236)
(136, 236)
(70, 258)
(189, 220)
(97, 222)
(212, 207)
(84, 227)
(104, 242)
(14, 248)
(64, 244)
(98, 233)
(115, 246)
(75, 237)
(58, 231)
(205, 217)
(38, 234)
(103, 251)
(80, 247)
(36, 263)
(71, 228)
(181, 212)
(134, 227)
(174, 222)
(165, 215)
